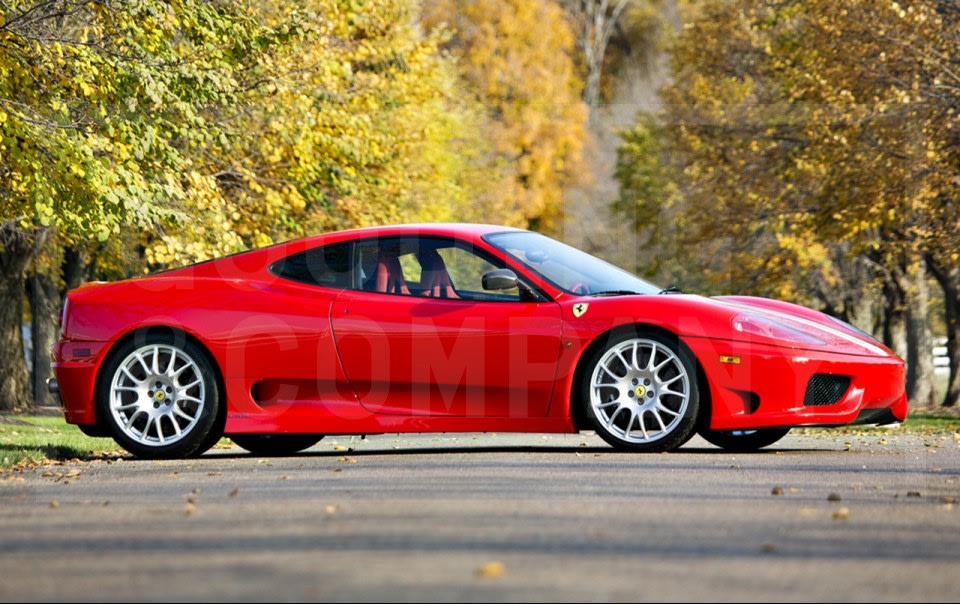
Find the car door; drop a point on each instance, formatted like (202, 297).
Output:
(418, 335)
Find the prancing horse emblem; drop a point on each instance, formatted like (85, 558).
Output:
(580, 309)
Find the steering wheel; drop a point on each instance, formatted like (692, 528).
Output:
(579, 288)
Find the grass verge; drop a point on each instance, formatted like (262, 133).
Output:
(29, 440)
(923, 424)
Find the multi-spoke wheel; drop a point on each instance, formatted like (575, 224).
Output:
(159, 398)
(275, 444)
(641, 393)
(744, 440)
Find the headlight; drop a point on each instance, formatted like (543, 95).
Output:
(762, 326)
(855, 330)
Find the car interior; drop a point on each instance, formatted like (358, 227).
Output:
(425, 268)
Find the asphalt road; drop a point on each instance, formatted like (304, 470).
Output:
(494, 517)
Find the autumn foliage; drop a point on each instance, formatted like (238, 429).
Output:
(811, 151)
(139, 135)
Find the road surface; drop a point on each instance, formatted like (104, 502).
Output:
(494, 517)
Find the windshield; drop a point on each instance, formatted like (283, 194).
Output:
(568, 268)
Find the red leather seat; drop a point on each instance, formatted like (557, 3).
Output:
(435, 281)
(389, 276)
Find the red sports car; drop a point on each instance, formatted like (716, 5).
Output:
(450, 328)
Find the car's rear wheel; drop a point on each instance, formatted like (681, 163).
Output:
(158, 397)
(275, 444)
(743, 440)
(641, 393)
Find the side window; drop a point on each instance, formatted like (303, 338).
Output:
(328, 266)
(466, 270)
(429, 267)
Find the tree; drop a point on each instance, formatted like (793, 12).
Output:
(596, 21)
(101, 106)
(788, 151)
(361, 120)
(527, 83)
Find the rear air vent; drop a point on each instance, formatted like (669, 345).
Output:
(825, 389)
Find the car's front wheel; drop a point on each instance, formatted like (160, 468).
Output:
(158, 397)
(743, 440)
(275, 444)
(641, 393)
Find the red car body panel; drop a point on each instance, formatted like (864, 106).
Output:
(298, 358)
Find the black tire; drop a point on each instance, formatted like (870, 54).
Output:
(203, 431)
(275, 445)
(678, 429)
(742, 441)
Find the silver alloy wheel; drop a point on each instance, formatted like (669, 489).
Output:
(639, 390)
(157, 395)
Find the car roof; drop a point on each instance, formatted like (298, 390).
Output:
(242, 263)
(458, 229)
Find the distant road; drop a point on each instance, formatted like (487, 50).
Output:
(494, 517)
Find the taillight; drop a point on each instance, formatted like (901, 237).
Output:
(63, 317)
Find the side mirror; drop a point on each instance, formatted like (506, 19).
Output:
(501, 278)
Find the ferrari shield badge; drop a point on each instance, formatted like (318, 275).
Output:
(580, 309)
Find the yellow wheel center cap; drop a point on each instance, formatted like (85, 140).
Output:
(161, 395)
(640, 390)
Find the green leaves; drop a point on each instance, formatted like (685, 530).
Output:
(105, 99)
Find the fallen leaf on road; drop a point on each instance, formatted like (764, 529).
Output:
(339, 448)
(234, 492)
(795, 490)
(841, 514)
(54, 504)
(214, 473)
(807, 511)
(949, 500)
(72, 474)
(330, 510)
(190, 509)
(348, 460)
(913, 493)
(337, 470)
(284, 478)
(491, 570)
(776, 491)
(771, 548)
(834, 497)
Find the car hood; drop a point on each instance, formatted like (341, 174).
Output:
(698, 316)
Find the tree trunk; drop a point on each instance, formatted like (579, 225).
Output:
(948, 276)
(920, 368)
(894, 319)
(73, 269)
(597, 20)
(16, 249)
(591, 92)
(44, 299)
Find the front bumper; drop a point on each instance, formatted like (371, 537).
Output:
(75, 366)
(766, 389)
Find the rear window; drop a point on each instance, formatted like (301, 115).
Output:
(327, 266)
